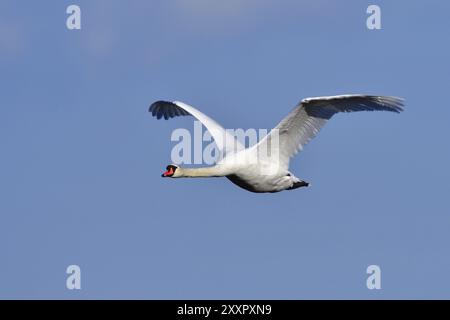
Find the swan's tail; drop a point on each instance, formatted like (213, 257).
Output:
(299, 184)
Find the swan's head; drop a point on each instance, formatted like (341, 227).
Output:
(172, 171)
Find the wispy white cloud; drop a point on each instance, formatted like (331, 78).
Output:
(160, 28)
(214, 18)
(100, 28)
(12, 38)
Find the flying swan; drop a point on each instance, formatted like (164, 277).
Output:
(264, 167)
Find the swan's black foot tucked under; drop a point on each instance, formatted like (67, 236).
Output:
(299, 184)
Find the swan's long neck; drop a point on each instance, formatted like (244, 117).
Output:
(215, 171)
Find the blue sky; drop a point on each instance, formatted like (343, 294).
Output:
(81, 157)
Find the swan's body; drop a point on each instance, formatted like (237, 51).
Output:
(252, 168)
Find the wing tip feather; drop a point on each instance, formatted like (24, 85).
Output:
(166, 109)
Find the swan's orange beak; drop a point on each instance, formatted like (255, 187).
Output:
(168, 173)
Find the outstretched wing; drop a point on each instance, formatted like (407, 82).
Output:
(226, 142)
(310, 115)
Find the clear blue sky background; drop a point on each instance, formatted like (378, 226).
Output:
(81, 157)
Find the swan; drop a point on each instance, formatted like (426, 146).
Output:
(245, 167)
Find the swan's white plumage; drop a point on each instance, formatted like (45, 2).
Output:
(300, 126)
(226, 143)
(303, 123)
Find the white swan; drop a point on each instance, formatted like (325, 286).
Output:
(245, 166)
